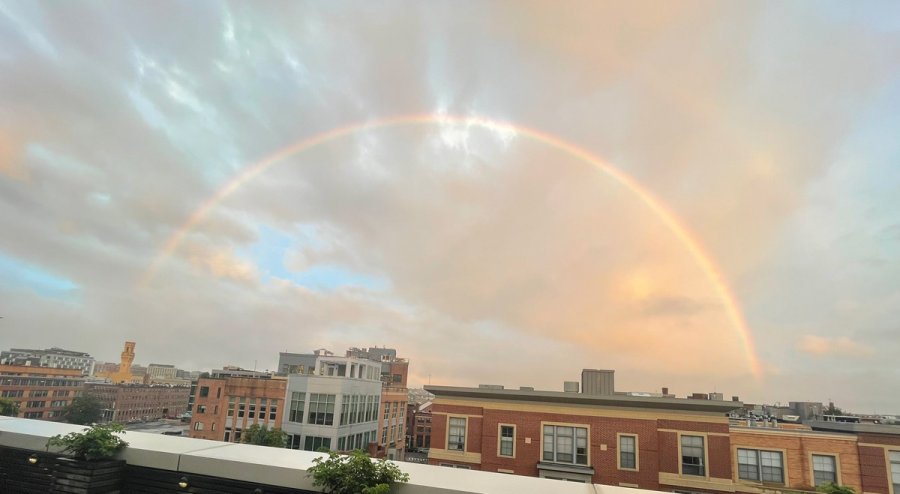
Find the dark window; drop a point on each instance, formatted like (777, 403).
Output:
(824, 469)
(507, 440)
(628, 452)
(692, 457)
(204, 391)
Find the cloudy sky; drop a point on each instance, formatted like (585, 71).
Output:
(734, 156)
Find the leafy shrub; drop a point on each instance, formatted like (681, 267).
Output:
(355, 474)
(97, 442)
(263, 436)
(832, 488)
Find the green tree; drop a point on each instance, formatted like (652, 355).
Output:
(832, 488)
(261, 436)
(97, 442)
(84, 410)
(355, 474)
(9, 408)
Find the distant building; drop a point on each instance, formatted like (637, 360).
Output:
(139, 402)
(124, 372)
(394, 397)
(335, 406)
(418, 426)
(232, 371)
(164, 374)
(40, 392)
(55, 358)
(224, 407)
(807, 410)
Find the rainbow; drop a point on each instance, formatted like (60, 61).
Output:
(666, 216)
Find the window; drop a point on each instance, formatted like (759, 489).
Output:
(565, 444)
(296, 412)
(201, 408)
(273, 409)
(204, 391)
(35, 404)
(231, 406)
(765, 466)
(198, 426)
(628, 452)
(895, 470)
(34, 415)
(241, 405)
(345, 407)
(39, 393)
(213, 427)
(313, 443)
(456, 439)
(507, 440)
(321, 410)
(251, 412)
(824, 469)
(692, 457)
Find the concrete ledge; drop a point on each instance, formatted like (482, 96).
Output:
(284, 467)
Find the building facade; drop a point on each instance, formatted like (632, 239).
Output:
(56, 358)
(394, 398)
(651, 443)
(334, 407)
(40, 392)
(418, 426)
(126, 403)
(225, 407)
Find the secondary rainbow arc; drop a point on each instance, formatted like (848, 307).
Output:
(667, 217)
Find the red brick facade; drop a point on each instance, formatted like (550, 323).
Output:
(861, 460)
(224, 407)
(40, 392)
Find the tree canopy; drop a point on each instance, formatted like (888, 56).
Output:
(355, 474)
(8, 408)
(84, 410)
(262, 436)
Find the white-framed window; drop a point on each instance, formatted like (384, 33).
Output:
(628, 452)
(565, 444)
(693, 459)
(198, 426)
(824, 469)
(456, 434)
(894, 457)
(760, 466)
(507, 437)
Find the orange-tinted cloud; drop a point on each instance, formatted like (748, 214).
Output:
(841, 346)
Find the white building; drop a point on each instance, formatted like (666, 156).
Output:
(334, 405)
(56, 358)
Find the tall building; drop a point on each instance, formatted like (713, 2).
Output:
(394, 398)
(56, 358)
(40, 392)
(224, 407)
(123, 373)
(334, 404)
(139, 402)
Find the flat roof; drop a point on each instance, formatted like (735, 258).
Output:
(854, 428)
(623, 401)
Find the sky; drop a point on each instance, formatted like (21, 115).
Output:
(699, 195)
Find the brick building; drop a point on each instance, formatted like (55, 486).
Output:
(418, 426)
(40, 392)
(651, 443)
(879, 454)
(135, 402)
(224, 407)
(794, 458)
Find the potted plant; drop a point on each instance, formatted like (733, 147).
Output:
(355, 474)
(90, 467)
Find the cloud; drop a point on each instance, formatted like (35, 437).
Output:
(769, 133)
(841, 346)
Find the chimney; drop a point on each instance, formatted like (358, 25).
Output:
(665, 391)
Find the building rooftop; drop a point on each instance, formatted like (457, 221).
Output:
(854, 428)
(711, 406)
